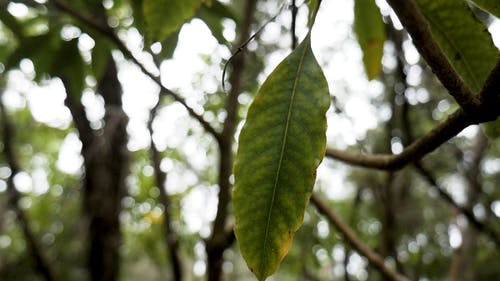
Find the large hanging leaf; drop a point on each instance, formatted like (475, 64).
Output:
(280, 147)
(464, 39)
(164, 17)
(491, 6)
(370, 31)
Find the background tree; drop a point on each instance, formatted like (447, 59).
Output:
(119, 138)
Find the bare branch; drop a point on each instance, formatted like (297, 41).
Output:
(373, 258)
(110, 34)
(222, 237)
(412, 19)
(293, 24)
(490, 95)
(455, 123)
(243, 44)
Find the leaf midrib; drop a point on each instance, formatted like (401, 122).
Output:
(283, 144)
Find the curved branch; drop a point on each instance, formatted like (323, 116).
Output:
(109, 33)
(373, 258)
(455, 123)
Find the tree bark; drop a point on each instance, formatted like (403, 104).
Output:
(221, 237)
(106, 166)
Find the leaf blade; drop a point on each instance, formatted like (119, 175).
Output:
(491, 6)
(164, 17)
(370, 31)
(280, 147)
(463, 38)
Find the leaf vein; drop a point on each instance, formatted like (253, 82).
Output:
(283, 144)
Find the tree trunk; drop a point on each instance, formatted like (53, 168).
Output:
(106, 166)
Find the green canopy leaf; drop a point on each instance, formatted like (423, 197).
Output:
(280, 147)
(370, 31)
(52, 57)
(164, 17)
(491, 6)
(464, 39)
(213, 16)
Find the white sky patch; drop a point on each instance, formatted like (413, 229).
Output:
(455, 185)
(70, 160)
(40, 182)
(495, 207)
(494, 29)
(171, 126)
(47, 104)
(18, 10)
(455, 236)
(332, 181)
(469, 132)
(195, 40)
(199, 208)
(23, 182)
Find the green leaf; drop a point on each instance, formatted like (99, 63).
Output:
(11, 22)
(69, 65)
(53, 57)
(491, 6)
(313, 11)
(100, 56)
(464, 39)
(280, 147)
(168, 46)
(492, 129)
(213, 15)
(40, 49)
(164, 17)
(370, 31)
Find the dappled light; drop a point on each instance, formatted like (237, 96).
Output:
(350, 140)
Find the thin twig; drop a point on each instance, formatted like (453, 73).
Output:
(242, 46)
(110, 34)
(373, 258)
(293, 24)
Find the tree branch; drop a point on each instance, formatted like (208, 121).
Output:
(222, 237)
(42, 264)
(293, 24)
(455, 123)
(373, 258)
(171, 241)
(490, 95)
(110, 34)
(431, 180)
(417, 26)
